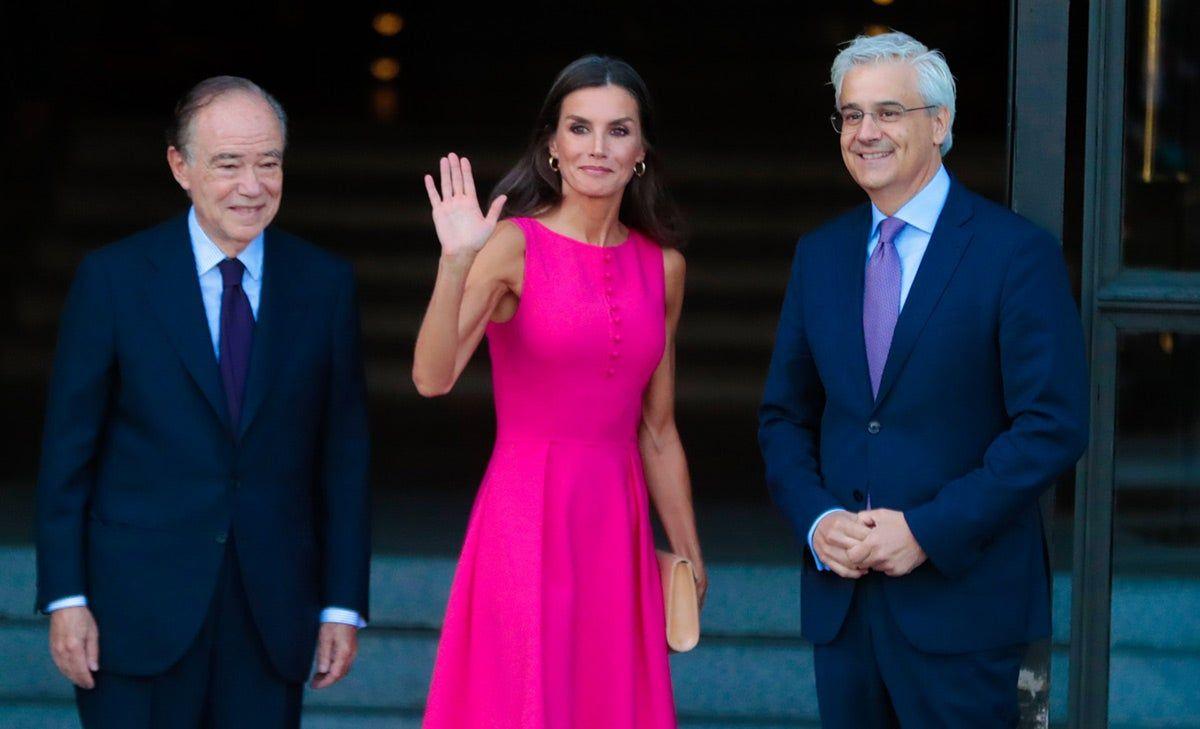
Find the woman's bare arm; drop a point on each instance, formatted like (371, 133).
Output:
(478, 279)
(658, 439)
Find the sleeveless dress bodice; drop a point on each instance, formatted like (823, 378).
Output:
(574, 361)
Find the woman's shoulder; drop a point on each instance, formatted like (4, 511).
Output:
(674, 272)
(510, 233)
(674, 264)
(672, 258)
(504, 252)
(520, 222)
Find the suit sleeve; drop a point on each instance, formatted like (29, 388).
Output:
(790, 417)
(1045, 385)
(81, 388)
(347, 522)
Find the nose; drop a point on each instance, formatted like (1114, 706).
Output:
(868, 130)
(598, 145)
(248, 184)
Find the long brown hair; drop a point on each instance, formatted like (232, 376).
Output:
(532, 187)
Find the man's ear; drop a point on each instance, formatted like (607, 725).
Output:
(941, 125)
(178, 164)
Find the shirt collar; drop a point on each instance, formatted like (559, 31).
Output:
(922, 211)
(208, 255)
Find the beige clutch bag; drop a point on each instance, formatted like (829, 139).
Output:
(680, 600)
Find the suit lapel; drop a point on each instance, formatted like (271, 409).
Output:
(175, 298)
(850, 272)
(945, 250)
(275, 302)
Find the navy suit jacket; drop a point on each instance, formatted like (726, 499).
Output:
(983, 403)
(143, 480)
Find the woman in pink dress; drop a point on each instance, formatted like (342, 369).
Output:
(555, 616)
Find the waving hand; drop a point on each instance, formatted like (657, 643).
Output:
(461, 225)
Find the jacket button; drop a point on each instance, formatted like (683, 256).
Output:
(236, 483)
(222, 538)
(874, 427)
(858, 496)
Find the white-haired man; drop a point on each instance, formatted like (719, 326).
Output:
(928, 383)
(203, 520)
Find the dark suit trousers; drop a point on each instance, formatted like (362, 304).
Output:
(224, 681)
(871, 677)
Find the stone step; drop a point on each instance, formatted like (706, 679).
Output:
(751, 665)
(747, 601)
(350, 150)
(38, 714)
(733, 678)
(62, 715)
(742, 297)
(57, 258)
(389, 379)
(725, 241)
(392, 329)
(132, 148)
(721, 683)
(132, 207)
(410, 592)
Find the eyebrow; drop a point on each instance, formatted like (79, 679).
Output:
(622, 120)
(223, 156)
(877, 104)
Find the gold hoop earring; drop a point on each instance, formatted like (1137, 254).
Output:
(639, 168)
(554, 163)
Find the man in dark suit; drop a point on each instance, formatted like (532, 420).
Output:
(202, 516)
(928, 383)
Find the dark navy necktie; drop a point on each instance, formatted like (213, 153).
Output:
(237, 334)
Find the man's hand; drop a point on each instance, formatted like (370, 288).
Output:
(890, 547)
(337, 645)
(834, 537)
(75, 645)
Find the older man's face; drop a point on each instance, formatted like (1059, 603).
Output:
(890, 161)
(234, 172)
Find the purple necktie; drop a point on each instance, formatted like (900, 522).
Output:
(237, 334)
(881, 299)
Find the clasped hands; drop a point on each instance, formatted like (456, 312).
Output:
(852, 544)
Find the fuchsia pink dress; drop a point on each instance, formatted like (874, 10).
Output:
(555, 617)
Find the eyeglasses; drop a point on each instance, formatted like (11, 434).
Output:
(884, 114)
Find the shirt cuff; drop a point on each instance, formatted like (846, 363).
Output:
(342, 615)
(813, 530)
(66, 602)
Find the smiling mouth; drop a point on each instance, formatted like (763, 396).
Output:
(596, 170)
(874, 155)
